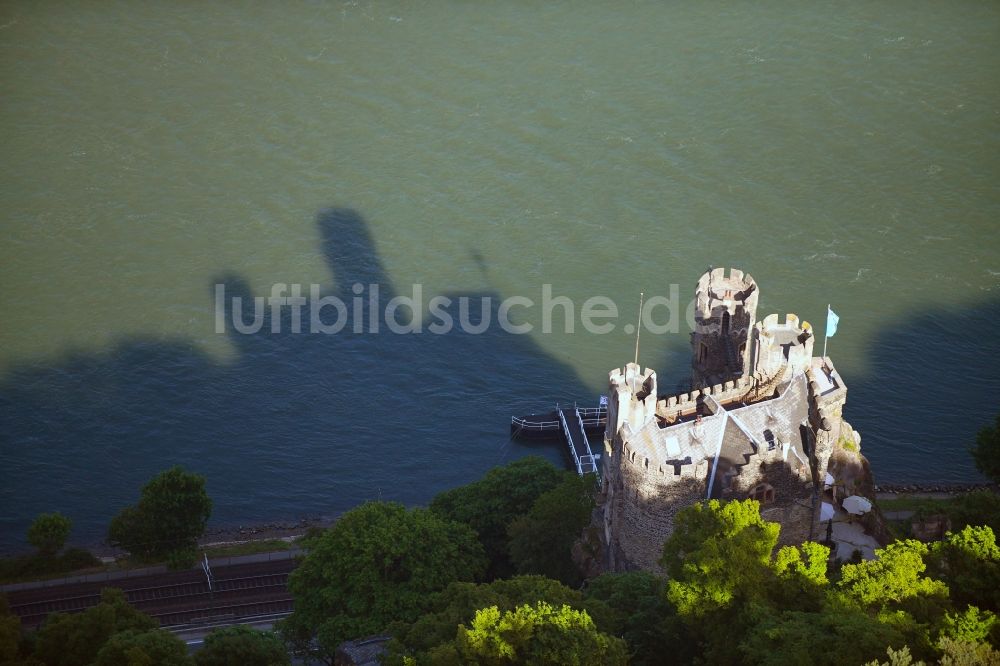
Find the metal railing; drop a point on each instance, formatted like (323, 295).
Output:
(534, 425)
(590, 417)
(569, 442)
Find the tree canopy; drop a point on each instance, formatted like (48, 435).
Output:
(986, 451)
(968, 562)
(744, 601)
(541, 540)
(76, 639)
(10, 634)
(242, 646)
(458, 603)
(533, 634)
(490, 504)
(638, 611)
(378, 564)
(48, 533)
(172, 512)
(156, 647)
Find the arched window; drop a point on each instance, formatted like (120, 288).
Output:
(763, 493)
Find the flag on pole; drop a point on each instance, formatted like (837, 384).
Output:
(831, 322)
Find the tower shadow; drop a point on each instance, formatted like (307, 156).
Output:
(299, 424)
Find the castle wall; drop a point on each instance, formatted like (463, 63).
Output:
(645, 497)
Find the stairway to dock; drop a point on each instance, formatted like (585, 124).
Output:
(576, 438)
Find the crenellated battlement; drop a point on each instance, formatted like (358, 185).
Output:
(771, 321)
(671, 408)
(827, 393)
(782, 346)
(631, 399)
(717, 290)
(659, 472)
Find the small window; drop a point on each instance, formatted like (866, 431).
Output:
(763, 493)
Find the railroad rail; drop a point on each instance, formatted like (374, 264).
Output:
(239, 591)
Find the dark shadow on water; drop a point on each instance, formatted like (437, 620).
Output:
(932, 382)
(297, 425)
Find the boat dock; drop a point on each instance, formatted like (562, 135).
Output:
(573, 425)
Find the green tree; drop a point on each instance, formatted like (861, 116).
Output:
(964, 653)
(490, 504)
(536, 634)
(157, 647)
(458, 603)
(971, 626)
(49, 533)
(718, 553)
(900, 657)
(10, 634)
(641, 614)
(986, 451)
(968, 562)
(893, 591)
(541, 541)
(981, 507)
(378, 564)
(76, 639)
(725, 576)
(242, 646)
(172, 512)
(892, 578)
(838, 634)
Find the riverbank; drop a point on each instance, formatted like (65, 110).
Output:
(946, 489)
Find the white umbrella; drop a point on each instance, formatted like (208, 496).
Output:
(825, 512)
(828, 481)
(857, 505)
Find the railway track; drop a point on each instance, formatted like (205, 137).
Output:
(179, 598)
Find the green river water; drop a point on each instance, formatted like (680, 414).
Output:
(844, 153)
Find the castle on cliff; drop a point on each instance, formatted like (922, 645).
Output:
(760, 421)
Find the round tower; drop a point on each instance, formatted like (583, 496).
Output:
(782, 347)
(725, 308)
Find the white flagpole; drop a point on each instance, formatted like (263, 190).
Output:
(827, 329)
(638, 328)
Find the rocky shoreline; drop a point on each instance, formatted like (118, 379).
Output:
(261, 532)
(946, 488)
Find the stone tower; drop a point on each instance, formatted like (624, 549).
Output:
(781, 348)
(631, 400)
(725, 308)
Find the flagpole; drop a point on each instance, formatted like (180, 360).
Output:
(826, 329)
(638, 328)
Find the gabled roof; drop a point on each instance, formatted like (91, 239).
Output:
(734, 431)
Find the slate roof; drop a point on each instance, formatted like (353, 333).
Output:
(741, 429)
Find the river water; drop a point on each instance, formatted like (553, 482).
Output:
(843, 153)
